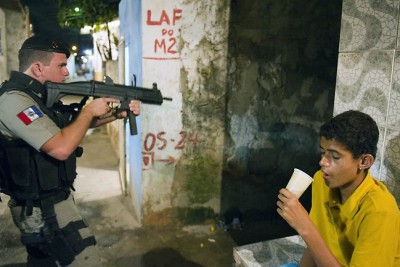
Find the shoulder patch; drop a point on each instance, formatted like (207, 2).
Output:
(30, 114)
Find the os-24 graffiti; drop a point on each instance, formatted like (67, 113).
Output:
(159, 141)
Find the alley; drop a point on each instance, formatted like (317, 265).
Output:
(121, 242)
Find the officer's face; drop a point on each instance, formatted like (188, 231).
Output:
(56, 70)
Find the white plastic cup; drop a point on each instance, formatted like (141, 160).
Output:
(299, 182)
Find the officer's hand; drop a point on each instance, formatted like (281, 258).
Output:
(134, 106)
(100, 107)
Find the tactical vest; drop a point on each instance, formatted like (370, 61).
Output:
(28, 175)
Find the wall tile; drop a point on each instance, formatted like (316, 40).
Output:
(368, 77)
(363, 83)
(377, 166)
(393, 118)
(368, 25)
(390, 169)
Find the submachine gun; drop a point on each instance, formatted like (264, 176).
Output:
(95, 89)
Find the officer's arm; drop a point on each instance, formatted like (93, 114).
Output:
(134, 107)
(67, 140)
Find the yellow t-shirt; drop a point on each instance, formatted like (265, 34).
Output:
(365, 230)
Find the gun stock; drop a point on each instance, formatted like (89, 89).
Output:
(55, 91)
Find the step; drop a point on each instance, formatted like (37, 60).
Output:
(270, 253)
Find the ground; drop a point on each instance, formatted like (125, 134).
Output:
(120, 240)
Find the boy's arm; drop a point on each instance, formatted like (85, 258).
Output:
(307, 260)
(297, 217)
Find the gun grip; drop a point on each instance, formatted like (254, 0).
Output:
(132, 123)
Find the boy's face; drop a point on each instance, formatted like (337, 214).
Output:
(340, 169)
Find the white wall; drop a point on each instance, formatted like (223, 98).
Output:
(161, 125)
(182, 47)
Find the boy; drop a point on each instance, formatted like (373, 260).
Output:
(354, 220)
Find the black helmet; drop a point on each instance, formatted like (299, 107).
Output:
(44, 43)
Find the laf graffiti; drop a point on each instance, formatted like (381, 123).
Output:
(158, 142)
(165, 46)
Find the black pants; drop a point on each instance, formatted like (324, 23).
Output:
(37, 258)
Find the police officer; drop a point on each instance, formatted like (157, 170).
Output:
(38, 150)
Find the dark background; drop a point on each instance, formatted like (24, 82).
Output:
(43, 15)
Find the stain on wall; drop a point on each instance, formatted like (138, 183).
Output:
(281, 81)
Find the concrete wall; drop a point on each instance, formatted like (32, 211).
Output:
(184, 51)
(3, 48)
(16, 33)
(368, 77)
(251, 83)
(113, 127)
(282, 70)
(13, 33)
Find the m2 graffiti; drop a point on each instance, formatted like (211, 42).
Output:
(162, 44)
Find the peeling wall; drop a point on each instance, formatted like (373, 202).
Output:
(185, 46)
(204, 40)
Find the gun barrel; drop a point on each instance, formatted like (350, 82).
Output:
(99, 89)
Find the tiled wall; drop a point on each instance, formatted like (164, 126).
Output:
(368, 77)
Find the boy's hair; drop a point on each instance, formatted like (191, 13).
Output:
(355, 130)
(27, 57)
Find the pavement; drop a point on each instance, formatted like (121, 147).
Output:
(121, 241)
